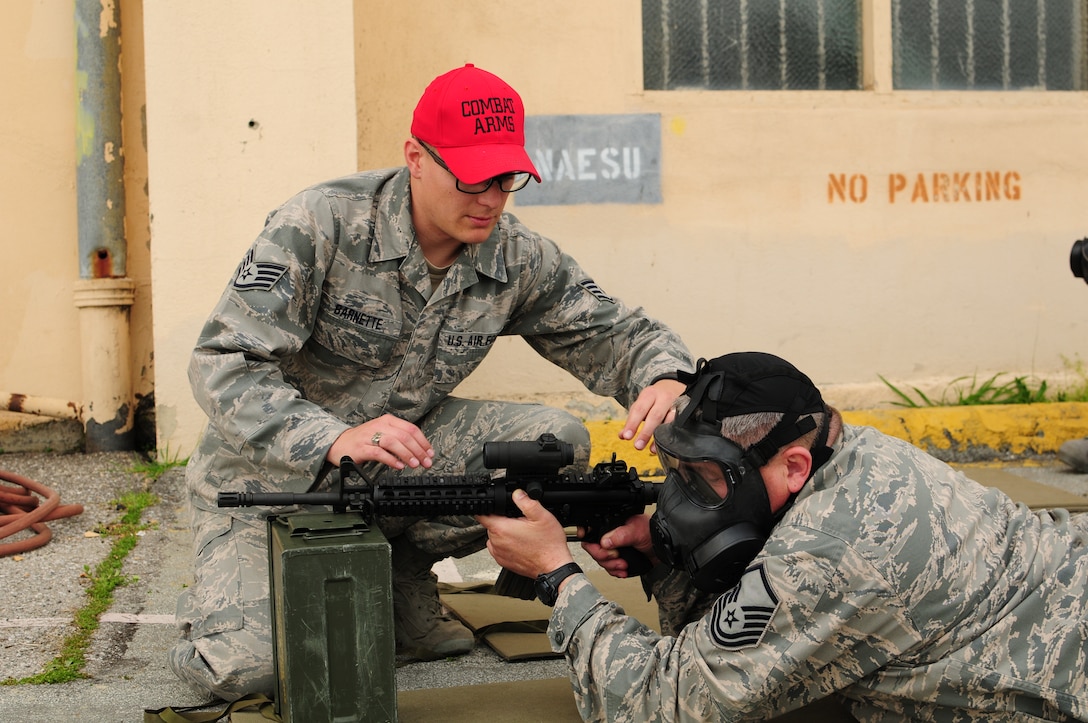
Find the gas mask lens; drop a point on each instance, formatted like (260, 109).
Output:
(706, 467)
(706, 482)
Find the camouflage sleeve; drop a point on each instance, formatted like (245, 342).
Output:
(620, 670)
(616, 351)
(266, 313)
(679, 602)
(799, 626)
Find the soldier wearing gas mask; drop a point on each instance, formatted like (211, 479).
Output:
(715, 513)
(810, 559)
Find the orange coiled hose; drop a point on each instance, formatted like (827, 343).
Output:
(22, 510)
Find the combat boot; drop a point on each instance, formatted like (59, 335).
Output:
(1075, 454)
(424, 631)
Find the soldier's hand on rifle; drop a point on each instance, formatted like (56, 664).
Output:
(387, 439)
(529, 545)
(653, 406)
(633, 533)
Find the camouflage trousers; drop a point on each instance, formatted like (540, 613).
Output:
(225, 617)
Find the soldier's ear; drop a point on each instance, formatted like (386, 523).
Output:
(798, 461)
(413, 156)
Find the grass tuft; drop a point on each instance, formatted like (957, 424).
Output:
(965, 391)
(153, 467)
(968, 391)
(104, 579)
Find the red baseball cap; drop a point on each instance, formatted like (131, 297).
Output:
(476, 123)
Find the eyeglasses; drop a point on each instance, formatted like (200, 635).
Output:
(508, 182)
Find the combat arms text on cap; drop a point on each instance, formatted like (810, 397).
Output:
(476, 122)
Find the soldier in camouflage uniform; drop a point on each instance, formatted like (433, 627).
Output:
(887, 580)
(361, 306)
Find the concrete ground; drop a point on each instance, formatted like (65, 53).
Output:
(126, 666)
(126, 669)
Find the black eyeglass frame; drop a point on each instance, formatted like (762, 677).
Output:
(508, 182)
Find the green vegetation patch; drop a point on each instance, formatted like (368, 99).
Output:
(104, 579)
(968, 391)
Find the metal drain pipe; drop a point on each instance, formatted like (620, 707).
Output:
(103, 295)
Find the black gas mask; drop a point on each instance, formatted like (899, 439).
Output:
(713, 513)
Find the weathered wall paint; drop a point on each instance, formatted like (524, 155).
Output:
(751, 247)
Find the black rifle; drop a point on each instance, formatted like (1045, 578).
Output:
(598, 501)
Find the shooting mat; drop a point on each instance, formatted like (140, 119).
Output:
(548, 701)
(1035, 495)
(515, 629)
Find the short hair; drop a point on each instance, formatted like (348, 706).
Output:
(746, 430)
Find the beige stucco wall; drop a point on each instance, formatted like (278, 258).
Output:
(37, 202)
(247, 103)
(754, 245)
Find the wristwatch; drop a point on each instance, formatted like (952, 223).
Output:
(547, 585)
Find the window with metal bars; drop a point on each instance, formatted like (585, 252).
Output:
(751, 44)
(989, 44)
(816, 44)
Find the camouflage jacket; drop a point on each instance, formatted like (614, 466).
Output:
(330, 321)
(915, 593)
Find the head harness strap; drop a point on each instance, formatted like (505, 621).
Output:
(703, 396)
(788, 429)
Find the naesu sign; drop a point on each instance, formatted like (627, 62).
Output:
(593, 159)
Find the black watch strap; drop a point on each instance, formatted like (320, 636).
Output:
(547, 585)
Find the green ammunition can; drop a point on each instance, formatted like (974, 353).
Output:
(332, 619)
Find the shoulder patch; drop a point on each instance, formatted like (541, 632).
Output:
(260, 275)
(591, 286)
(742, 615)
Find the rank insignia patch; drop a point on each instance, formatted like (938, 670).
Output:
(591, 286)
(742, 615)
(260, 275)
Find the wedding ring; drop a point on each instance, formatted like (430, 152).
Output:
(376, 439)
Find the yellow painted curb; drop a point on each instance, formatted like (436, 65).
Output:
(959, 434)
(604, 437)
(981, 432)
